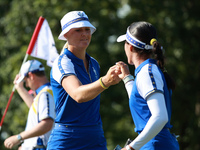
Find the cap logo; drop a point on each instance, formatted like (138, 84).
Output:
(81, 14)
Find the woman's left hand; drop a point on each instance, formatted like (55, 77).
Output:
(123, 69)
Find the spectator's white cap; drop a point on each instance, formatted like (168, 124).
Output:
(30, 66)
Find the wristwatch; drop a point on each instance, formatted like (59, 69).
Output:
(19, 137)
(129, 147)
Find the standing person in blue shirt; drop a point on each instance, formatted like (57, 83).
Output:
(150, 92)
(76, 88)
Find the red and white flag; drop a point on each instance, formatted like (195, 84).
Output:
(44, 47)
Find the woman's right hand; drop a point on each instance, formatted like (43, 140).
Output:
(112, 76)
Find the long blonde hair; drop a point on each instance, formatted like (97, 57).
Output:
(65, 46)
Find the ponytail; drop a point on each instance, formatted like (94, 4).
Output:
(158, 54)
(65, 46)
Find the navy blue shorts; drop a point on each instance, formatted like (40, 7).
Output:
(77, 138)
(163, 141)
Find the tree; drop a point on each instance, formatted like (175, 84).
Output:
(177, 23)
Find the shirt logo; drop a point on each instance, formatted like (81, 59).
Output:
(96, 76)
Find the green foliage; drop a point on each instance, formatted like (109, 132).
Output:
(178, 27)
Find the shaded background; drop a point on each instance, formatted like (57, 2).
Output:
(178, 26)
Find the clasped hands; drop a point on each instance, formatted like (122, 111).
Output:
(115, 74)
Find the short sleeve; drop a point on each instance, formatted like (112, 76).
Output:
(46, 106)
(149, 80)
(62, 67)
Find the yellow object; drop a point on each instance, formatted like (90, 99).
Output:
(152, 40)
(101, 83)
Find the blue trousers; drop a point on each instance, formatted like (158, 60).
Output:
(163, 141)
(77, 138)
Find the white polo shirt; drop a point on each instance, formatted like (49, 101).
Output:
(43, 107)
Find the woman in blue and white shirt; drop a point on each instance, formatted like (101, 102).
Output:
(150, 92)
(76, 84)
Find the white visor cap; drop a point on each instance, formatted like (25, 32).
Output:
(121, 38)
(133, 41)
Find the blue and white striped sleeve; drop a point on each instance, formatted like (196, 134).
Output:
(149, 80)
(46, 106)
(62, 67)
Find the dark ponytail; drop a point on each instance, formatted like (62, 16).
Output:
(159, 56)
